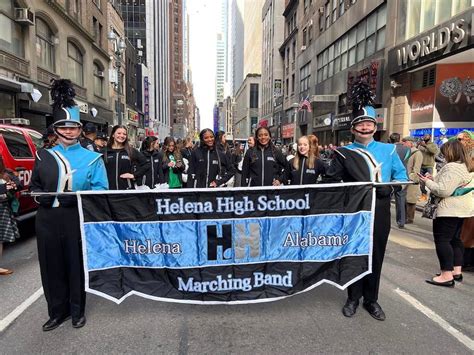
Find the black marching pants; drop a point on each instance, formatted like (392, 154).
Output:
(369, 285)
(60, 257)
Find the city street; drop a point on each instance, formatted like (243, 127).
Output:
(421, 318)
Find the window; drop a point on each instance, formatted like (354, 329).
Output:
(293, 84)
(310, 34)
(341, 7)
(253, 95)
(305, 75)
(7, 108)
(37, 139)
(45, 45)
(331, 61)
(97, 3)
(352, 48)
(75, 64)
(334, 11)
(294, 52)
(95, 28)
(337, 58)
(327, 12)
(11, 38)
(98, 80)
(16, 143)
(305, 33)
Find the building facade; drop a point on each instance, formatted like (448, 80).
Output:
(49, 40)
(158, 46)
(272, 65)
(431, 68)
(178, 84)
(246, 109)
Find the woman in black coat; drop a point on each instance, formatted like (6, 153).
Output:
(209, 167)
(154, 175)
(264, 164)
(124, 164)
(306, 167)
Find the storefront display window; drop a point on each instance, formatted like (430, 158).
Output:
(7, 105)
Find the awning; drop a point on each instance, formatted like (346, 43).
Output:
(14, 85)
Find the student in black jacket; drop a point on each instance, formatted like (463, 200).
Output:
(154, 175)
(264, 164)
(209, 167)
(124, 164)
(306, 167)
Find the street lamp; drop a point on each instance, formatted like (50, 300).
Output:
(119, 47)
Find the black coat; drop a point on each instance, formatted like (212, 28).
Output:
(305, 175)
(208, 165)
(117, 162)
(262, 166)
(154, 175)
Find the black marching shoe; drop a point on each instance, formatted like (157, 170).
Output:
(449, 283)
(53, 323)
(79, 322)
(350, 308)
(457, 277)
(374, 310)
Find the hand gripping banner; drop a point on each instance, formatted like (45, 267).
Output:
(211, 246)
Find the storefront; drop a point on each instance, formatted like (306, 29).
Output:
(322, 128)
(435, 72)
(132, 124)
(288, 133)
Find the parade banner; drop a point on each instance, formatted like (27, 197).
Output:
(211, 246)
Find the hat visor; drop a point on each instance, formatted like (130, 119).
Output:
(67, 123)
(363, 119)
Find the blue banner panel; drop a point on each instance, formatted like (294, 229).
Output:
(206, 243)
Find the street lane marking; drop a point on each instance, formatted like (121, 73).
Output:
(437, 319)
(5, 322)
(411, 243)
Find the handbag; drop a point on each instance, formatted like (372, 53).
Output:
(430, 210)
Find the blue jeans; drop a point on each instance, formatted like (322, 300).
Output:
(400, 195)
(423, 171)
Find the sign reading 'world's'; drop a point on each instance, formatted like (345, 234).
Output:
(225, 246)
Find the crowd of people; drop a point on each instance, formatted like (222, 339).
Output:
(98, 162)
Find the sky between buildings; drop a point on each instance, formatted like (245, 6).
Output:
(204, 21)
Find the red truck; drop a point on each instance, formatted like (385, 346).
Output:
(18, 146)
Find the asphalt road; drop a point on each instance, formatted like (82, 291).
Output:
(421, 318)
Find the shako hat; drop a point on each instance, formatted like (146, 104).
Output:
(65, 111)
(362, 101)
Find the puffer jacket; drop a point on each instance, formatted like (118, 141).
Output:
(452, 176)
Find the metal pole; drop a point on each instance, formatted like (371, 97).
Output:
(119, 88)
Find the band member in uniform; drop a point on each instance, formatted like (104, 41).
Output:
(64, 168)
(368, 160)
(264, 164)
(89, 132)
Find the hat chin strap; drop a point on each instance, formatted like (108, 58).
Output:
(63, 136)
(360, 132)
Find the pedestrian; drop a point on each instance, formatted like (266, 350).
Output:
(125, 165)
(454, 186)
(89, 134)
(154, 175)
(67, 167)
(250, 142)
(237, 157)
(187, 148)
(172, 164)
(466, 138)
(370, 161)
(400, 192)
(264, 164)
(306, 167)
(9, 185)
(429, 151)
(413, 166)
(101, 141)
(209, 166)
